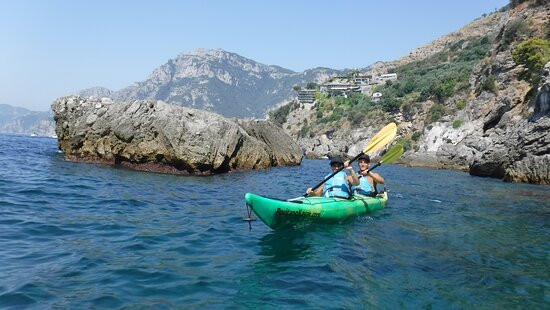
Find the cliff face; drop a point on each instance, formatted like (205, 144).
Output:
(496, 125)
(507, 132)
(515, 147)
(155, 136)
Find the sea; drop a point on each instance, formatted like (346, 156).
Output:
(77, 235)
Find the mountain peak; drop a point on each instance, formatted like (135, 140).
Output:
(219, 81)
(205, 52)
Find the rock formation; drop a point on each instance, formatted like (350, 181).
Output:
(518, 148)
(156, 136)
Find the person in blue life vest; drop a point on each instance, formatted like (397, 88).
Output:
(368, 180)
(339, 185)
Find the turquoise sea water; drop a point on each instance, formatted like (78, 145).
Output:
(76, 235)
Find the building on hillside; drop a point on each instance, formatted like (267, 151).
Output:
(306, 95)
(339, 89)
(382, 78)
(362, 79)
(342, 86)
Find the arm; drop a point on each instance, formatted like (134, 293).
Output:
(317, 192)
(376, 177)
(352, 178)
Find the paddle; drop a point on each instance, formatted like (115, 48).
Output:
(391, 155)
(383, 137)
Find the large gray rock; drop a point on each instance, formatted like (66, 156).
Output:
(155, 136)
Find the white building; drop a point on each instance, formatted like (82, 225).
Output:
(382, 78)
(306, 95)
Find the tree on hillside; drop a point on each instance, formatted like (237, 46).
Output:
(311, 85)
(533, 54)
(514, 3)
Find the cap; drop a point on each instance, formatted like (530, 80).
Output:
(364, 157)
(336, 159)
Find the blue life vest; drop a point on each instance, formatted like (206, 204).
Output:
(337, 186)
(364, 187)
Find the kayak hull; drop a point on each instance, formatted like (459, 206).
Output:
(278, 214)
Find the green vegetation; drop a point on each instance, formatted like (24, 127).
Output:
(461, 104)
(406, 142)
(436, 112)
(514, 29)
(416, 135)
(311, 85)
(321, 96)
(489, 84)
(439, 76)
(355, 108)
(297, 88)
(514, 3)
(457, 123)
(304, 131)
(279, 115)
(533, 54)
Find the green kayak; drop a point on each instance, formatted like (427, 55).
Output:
(277, 213)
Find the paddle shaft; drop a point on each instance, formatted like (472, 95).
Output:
(333, 174)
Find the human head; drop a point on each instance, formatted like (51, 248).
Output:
(364, 157)
(336, 161)
(363, 161)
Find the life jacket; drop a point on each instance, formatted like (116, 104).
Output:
(364, 187)
(337, 186)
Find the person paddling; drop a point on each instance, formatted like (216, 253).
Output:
(369, 180)
(339, 185)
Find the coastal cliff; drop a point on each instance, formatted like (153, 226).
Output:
(464, 101)
(159, 137)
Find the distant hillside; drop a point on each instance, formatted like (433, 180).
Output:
(23, 121)
(218, 81)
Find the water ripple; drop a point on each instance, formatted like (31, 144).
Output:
(78, 235)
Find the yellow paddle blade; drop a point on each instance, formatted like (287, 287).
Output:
(382, 138)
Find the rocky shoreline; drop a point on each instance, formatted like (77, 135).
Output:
(159, 137)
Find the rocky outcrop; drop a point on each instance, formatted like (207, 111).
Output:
(155, 136)
(98, 92)
(519, 147)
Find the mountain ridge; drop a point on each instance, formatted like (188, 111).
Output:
(219, 81)
(17, 120)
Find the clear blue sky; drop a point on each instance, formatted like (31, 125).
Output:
(54, 48)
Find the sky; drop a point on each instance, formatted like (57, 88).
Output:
(50, 49)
